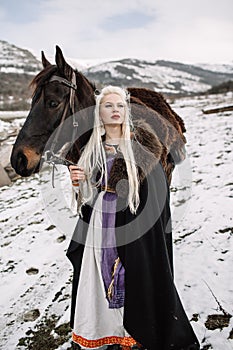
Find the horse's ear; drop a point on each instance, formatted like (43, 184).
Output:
(61, 63)
(44, 60)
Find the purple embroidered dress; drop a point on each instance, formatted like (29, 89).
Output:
(112, 270)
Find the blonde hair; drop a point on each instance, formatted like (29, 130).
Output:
(93, 157)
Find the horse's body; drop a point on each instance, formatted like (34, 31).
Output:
(51, 106)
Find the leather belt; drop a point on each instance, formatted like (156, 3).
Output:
(108, 189)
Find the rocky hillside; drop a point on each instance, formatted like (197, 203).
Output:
(17, 60)
(222, 88)
(18, 66)
(170, 78)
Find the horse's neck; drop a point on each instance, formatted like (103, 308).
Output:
(85, 92)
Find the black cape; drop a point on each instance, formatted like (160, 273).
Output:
(153, 313)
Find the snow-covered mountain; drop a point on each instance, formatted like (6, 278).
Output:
(164, 76)
(17, 68)
(17, 60)
(169, 78)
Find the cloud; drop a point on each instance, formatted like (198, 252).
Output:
(128, 20)
(197, 31)
(22, 11)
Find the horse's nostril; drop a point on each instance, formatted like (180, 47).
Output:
(22, 164)
(22, 159)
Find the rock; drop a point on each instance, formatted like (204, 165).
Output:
(32, 271)
(8, 174)
(5, 154)
(217, 321)
(3, 135)
(31, 315)
(51, 227)
(61, 238)
(231, 334)
(11, 173)
(63, 329)
(4, 178)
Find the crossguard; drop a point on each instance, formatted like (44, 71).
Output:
(51, 158)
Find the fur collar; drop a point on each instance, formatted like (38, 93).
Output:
(147, 152)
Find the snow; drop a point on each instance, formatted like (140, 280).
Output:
(201, 202)
(12, 115)
(84, 64)
(205, 256)
(10, 123)
(81, 64)
(220, 68)
(11, 70)
(17, 60)
(109, 67)
(165, 78)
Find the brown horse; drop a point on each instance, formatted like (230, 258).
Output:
(59, 92)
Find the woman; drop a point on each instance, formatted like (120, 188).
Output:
(123, 291)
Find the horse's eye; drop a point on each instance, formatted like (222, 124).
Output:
(52, 104)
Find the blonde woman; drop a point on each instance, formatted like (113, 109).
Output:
(123, 291)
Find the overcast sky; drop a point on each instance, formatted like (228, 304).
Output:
(195, 31)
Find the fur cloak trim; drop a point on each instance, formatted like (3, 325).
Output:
(147, 151)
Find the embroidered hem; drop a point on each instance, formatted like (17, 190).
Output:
(123, 341)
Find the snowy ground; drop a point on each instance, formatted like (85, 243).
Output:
(36, 275)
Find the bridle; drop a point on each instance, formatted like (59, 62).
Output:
(49, 155)
(70, 84)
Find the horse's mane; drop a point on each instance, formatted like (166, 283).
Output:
(93, 86)
(39, 80)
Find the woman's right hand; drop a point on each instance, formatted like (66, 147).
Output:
(76, 174)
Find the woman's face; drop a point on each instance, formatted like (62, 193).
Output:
(112, 109)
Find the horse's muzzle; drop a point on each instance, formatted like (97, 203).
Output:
(25, 161)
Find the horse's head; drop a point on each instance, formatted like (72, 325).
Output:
(59, 91)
